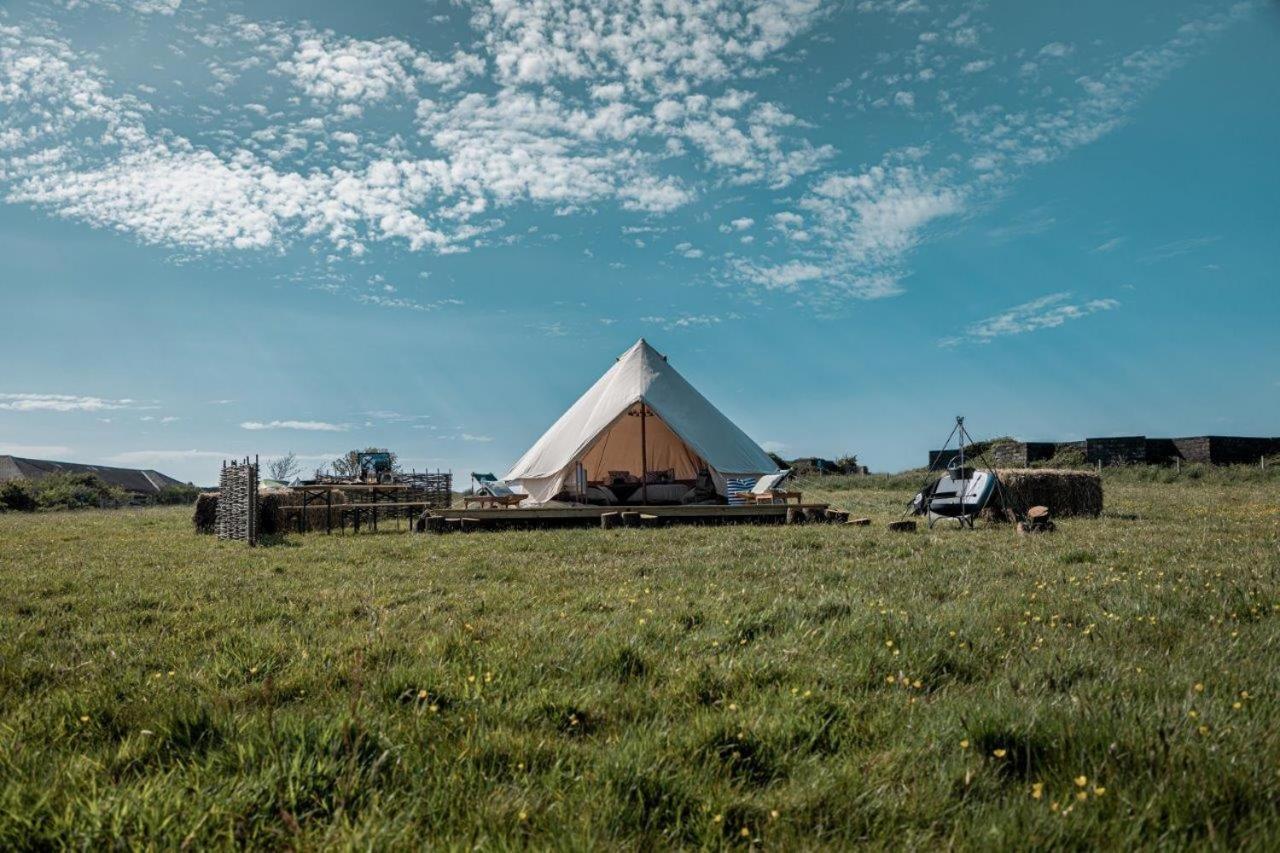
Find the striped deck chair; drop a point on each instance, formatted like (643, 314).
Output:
(735, 489)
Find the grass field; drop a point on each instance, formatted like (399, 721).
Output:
(1116, 684)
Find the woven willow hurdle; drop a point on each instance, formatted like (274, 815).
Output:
(237, 516)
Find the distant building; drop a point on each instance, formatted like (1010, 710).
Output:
(135, 480)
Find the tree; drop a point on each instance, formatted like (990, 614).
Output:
(285, 468)
(848, 464)
(348, 464)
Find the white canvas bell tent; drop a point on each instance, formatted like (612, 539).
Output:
(640, 397)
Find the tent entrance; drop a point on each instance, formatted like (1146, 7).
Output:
(636, 441)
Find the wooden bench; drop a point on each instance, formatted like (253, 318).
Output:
(356, 510)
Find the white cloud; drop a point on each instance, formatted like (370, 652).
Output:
(466, 436)
(649, 47)
(63, 403)
(743, 223)
(687, 321)
(786, 276)
(1057, 49)
(35, 451)
(1047, 312)
(568, 105)
(1177, 248)
(184, 197)
(309, 426)
(152, 458)
(145, 7)
(328, 67)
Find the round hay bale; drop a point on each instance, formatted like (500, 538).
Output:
(205, 515)
(1063, 492)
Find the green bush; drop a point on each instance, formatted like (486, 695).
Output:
(77, 491)
(182, 494)
(17, 496)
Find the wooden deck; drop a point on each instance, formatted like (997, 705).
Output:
(622, 516)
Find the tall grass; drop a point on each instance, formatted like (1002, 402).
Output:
(1110, 685)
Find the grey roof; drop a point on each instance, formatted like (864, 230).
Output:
(130, 479)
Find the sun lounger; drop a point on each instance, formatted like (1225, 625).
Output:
(769, 490)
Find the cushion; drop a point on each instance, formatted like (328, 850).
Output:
(601, 494)
(769, 482)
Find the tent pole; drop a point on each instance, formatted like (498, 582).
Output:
(644, 455)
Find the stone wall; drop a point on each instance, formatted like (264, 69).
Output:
(1224, 449)
(1020, 454)
(1125, 450)
(1120, 450)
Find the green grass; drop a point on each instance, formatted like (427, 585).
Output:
(793, 687)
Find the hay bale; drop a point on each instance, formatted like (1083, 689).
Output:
(278, 511)
(205, 515)
(1062, 491)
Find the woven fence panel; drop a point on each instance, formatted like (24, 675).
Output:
(237, 515)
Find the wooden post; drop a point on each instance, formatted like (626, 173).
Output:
(644, 455)
(328, 511)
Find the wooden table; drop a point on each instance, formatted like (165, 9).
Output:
(771, 497)
(389, 497)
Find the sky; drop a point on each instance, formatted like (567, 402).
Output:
(257, 228)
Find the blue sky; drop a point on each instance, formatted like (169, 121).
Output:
(239, 228)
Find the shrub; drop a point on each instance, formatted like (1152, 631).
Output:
(17, 496)
(77, 491)
(181, 494)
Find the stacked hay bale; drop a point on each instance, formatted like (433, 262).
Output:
(279, 510)
(206, 513)
(1064, 492)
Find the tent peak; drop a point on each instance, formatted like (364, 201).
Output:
(642, 346)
